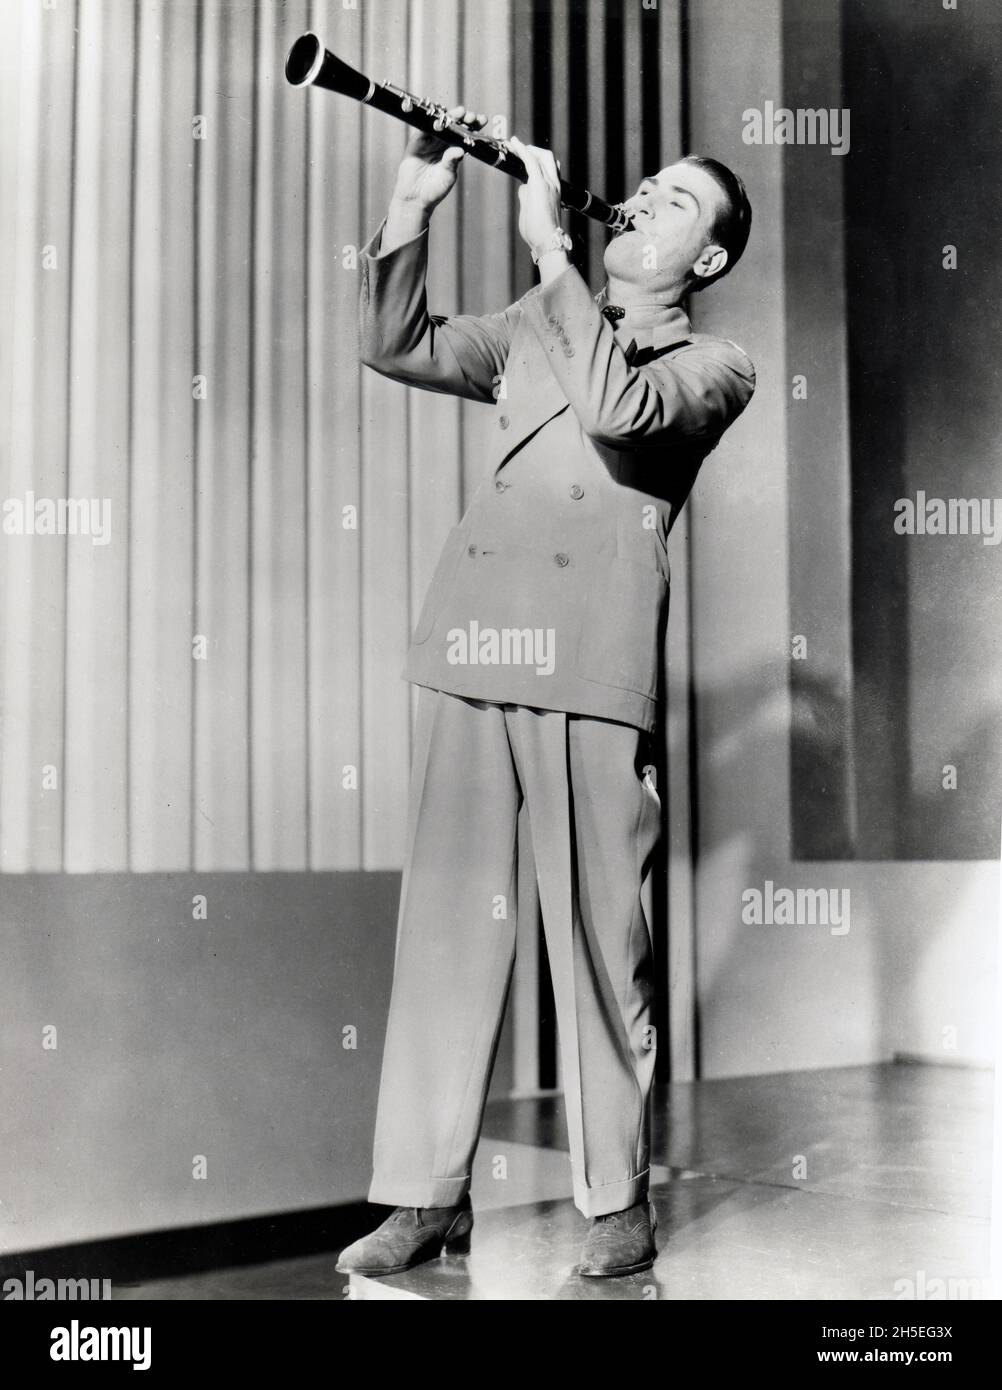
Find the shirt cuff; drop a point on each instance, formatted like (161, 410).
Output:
(372, 248)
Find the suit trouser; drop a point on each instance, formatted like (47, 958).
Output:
(594, 820)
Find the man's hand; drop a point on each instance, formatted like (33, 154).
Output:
(539, 199)
(426, 175)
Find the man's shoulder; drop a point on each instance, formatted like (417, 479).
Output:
(723, 350)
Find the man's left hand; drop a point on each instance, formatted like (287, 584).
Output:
(539, 199)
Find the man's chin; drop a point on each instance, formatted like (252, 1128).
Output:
(624, 254)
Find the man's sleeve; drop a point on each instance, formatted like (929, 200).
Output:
(695, 394)
(461, 356)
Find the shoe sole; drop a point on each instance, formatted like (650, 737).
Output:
(617, 1271)
(378, 1273)
(457, 1245)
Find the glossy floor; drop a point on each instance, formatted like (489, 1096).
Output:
(863, 1182)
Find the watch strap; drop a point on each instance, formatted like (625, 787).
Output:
(557, 241)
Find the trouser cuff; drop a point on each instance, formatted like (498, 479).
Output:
(611, 1196)
(393, 1191)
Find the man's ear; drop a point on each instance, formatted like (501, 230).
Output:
(711, 262)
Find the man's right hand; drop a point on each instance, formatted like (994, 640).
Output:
(427, 174)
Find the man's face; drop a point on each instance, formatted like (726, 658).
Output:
(672, 212)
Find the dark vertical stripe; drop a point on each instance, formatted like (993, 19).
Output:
(460, 260)
(523, 69)
(308, 177)
(575, 161)
(409, 83)
(649, 95)
(685, 94)
(877, 325)
(546, 1035)
(514, 27)
(360, 518)
(615, 164)
(542, 74)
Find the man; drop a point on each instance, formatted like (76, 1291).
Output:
(537, 656)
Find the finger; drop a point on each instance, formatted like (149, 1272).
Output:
(525, 153)
(547, 161)
(462, 115)
(533, 151)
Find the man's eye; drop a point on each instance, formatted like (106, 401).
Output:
(675, 203)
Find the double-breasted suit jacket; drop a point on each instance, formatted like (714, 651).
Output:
(598, 436)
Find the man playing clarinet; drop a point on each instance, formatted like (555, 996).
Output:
(538, 657)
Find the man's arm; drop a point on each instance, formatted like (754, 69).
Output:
(463, 355)
(695, 394)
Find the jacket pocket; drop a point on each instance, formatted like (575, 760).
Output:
(620, 641)
(441, 581)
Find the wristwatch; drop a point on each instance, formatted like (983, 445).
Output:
(558, 241)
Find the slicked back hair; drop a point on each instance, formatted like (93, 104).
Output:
(733, 222)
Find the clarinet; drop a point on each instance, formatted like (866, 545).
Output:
(309, 64)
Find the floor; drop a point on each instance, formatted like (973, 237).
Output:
(862, 1182)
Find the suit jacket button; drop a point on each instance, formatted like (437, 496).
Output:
(562, 559)
(471, 550)
(499, 486)
(568, 351)
(577, 491)
(503, 421)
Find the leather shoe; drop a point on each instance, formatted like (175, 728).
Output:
(621, 1242)
(408, 1237)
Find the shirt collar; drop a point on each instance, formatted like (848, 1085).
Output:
(656, 326)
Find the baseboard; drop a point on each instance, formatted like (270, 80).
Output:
(136, 1259)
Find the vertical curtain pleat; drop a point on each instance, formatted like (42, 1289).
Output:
(383, 497)
(278, 464)
(161, 503)
(97, 635)
(37, 121)
(223, 254)
(334, 233)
